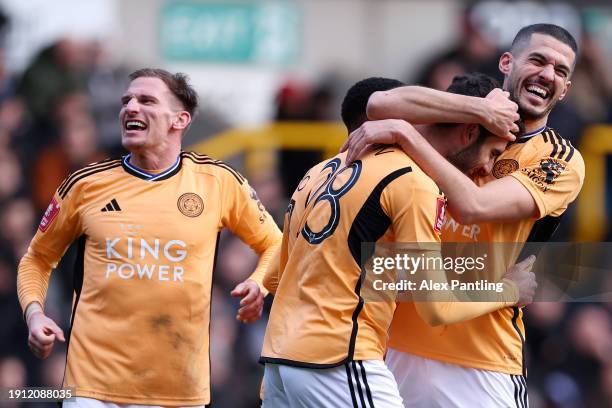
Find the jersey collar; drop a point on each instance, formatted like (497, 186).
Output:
(529, 135)
(143, 174)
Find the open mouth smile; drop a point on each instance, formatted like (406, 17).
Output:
(134, 124)
(538, 91)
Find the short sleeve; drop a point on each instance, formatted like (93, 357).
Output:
(553, 183)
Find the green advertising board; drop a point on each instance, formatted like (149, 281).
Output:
(254, 32)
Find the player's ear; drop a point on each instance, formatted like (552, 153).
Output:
(469, 134)
(182, 120)
(566, 89)
(505, 62)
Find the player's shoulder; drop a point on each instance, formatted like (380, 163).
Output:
(391, 161)
(88, 174)
(201, 163)
(317, 168)
(551, 145)
(385, 158)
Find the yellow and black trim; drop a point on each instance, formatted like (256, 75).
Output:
(94, 168)
(203, 159)
(562, 148)
(517, 313)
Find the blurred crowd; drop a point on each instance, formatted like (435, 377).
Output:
(60, 113)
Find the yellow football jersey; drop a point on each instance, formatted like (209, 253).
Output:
(552, 170)
(147, 246)
(319, 317)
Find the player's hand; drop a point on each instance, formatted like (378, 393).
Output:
(251, 305)
(501, 115)
(43, 334)
(524, 279)
(387, 131)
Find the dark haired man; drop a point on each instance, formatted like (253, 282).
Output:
(147, 226)
(482, 362)
(324, 343)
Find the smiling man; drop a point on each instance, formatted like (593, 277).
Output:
(481, 362)
(147, 227)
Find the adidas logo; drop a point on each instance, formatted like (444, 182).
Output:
(113, 205)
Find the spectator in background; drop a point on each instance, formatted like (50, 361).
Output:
(592, 93)
(11, 328)
(105, 80)
(293, 104)
(76, 147)
(17, 219)
(11, 180)
(473, 52)
(11, 107)
(56, 70)
(12, 376)
(298, 102)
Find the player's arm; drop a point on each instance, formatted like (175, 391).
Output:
(246, 217)
(272, 274)
(505, 199)
(291, 221)
(448, 307)
(417, 104)
(276, 266)
(58, 228)
(532, 191)
(414, 213)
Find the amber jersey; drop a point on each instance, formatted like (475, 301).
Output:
(147, 245)
(319, 318)
(552, 170)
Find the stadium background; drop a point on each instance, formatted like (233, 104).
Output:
(271, 75)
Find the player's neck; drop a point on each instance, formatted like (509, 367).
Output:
(153, 160)
(436, 137)
(533, 125)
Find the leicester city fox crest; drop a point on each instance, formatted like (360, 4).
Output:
(504, 167)
(190, 204)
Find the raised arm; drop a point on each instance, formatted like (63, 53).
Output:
(514, 197)
(417, 104)
(517, 196)
(505, 199)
